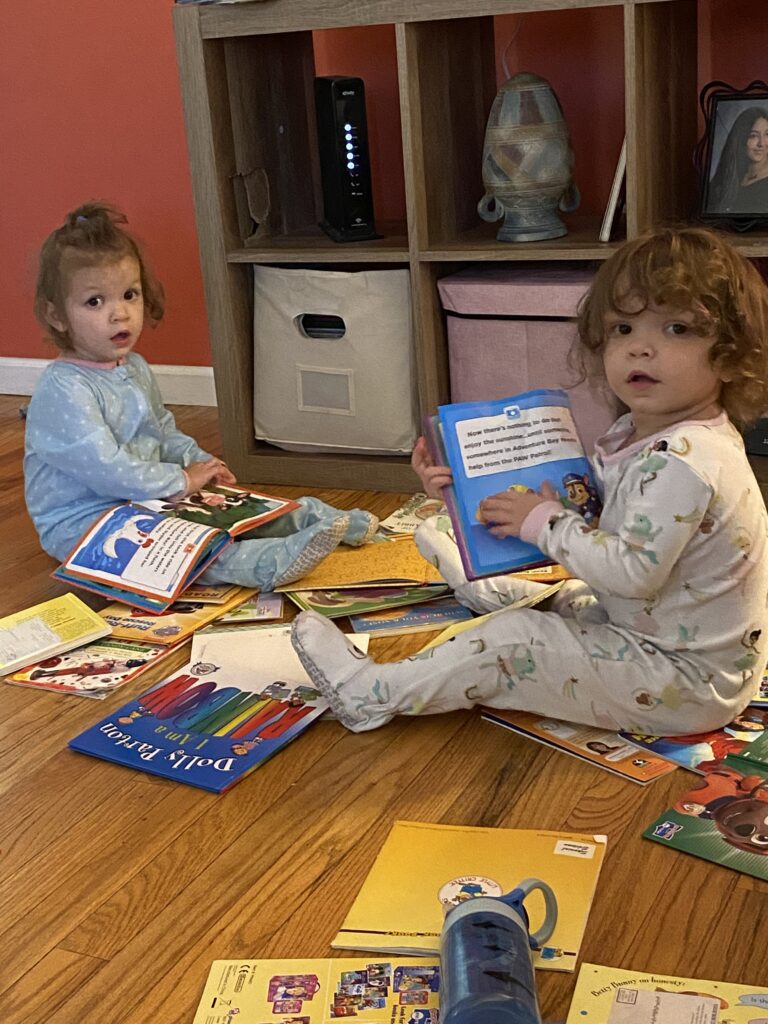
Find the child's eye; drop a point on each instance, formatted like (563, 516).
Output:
(678, 328)
(132, 293)
(619, 328)
(94, 302)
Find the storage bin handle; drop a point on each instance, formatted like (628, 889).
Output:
(321, 326)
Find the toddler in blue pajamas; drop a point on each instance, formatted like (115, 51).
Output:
(97, 431)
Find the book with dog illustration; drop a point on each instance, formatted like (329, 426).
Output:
(722, 817)
(518, 443)
(403, 990)
(146, 554)
(241, 698)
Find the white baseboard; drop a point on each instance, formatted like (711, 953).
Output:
(179, 385)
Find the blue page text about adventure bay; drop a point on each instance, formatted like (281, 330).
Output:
(518, 442)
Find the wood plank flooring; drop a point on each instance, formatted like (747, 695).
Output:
(117, 889)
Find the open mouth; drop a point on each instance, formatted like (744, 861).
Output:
(640, 378)
(121, 336)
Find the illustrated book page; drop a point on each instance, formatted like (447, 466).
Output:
(232, 509)
(403, 990)
(422, 868)
(94, 670)
(140, 556)
(612, 995)
(721, 817)
(393, 561)
(516, 443)
(361, 600)
(179, 621)
(607, 750)
(47, 629)
(243, 696)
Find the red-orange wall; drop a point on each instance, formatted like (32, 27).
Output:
(90, 108)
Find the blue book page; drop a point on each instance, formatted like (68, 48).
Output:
(512, 443)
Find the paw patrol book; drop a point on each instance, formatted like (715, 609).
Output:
(611, 995)
(520, 443)
(400, 990)
(423, 868)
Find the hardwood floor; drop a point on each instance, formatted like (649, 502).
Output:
(117, 889)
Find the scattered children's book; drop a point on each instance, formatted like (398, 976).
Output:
(178, 622)
(94, 670)
(386, 561)
(47, 629)
(361, 600)
(147, 554)
(613, 995)
(706, 751)
(407, 518)
(607, 750)
(404, 990)
(516, 443)
(211, 593)
(760, 698)
(752, 757)
(243, 696)
(255, 609)
(423, 868)
(432, 615)
(722, 818)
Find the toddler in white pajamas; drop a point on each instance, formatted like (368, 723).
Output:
(664, 628)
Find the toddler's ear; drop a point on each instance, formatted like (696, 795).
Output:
(53, 318)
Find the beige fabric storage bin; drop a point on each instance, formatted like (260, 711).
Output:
(333, 361)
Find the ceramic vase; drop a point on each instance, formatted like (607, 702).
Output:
(527, 162)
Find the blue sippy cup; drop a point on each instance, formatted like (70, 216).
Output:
(485, 955)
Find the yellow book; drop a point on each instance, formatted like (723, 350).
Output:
(387, 561)
(47, 629)
(401, 990)
(172, 626)
(611, 995)
(423, 868)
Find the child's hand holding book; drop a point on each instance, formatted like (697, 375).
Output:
(433, 477)
(505, 513)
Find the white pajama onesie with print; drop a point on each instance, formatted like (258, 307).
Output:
(668, 635)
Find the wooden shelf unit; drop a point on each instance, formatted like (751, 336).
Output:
(246, 77)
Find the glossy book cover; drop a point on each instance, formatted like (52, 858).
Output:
(241, 698)
(515, 443)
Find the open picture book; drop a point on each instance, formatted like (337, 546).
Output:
(46, 630)
(516, 443)
(146, 554)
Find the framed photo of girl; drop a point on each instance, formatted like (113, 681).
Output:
(732, 156)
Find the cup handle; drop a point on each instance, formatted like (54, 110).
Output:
(538, 938)
(490, 208)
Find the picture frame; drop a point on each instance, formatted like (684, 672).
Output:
(732, 156)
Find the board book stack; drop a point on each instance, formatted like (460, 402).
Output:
(422, 868)
(147, 554)
(520, 443)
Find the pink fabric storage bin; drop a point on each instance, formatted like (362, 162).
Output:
(510, 330)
